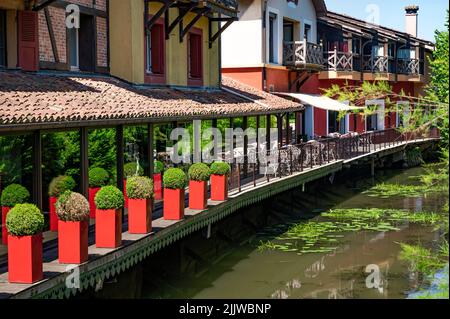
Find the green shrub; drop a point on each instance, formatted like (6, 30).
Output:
(158, 167)
(25, 220)
(109, 197)
(139, 187)
(220, 168)
(60, 184)
(14, 194)
(199, 172)
(72, 207)
(132, 169)
(175, 178)
(98, 177)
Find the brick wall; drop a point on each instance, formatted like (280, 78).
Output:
(57, 16)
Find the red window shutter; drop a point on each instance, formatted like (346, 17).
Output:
(195, 55)
(157, 36)
(28, 40)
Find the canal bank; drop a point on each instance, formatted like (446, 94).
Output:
(226, 262)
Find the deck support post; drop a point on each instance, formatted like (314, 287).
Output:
(84, 161)
(280, 129)
(37, 169)
(119, 156)
(149, 150)
(244, 128)
(288, 129)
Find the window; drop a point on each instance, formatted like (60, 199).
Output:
(2, 38)
(307, 32)
(72, 39)
(155, 50)
(272, 36)
(288, 31)
(195, 58)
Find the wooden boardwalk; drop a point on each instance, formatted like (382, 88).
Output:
(105, 263)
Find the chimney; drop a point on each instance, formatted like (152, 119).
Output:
(411, 20)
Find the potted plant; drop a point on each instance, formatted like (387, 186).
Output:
(140, 204)
(108, 225)
(73, 214)
(219, 181)
(98, 177)
(198, 186)
(11, 196)
(130, 170)
(25, 223)
(57, 186)
(158, 169)
(174, 184)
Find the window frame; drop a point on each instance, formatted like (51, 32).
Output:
(149, 77)
(194, 81)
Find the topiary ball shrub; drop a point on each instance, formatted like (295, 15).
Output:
(14, 194)
(25, 220)
(158, 167)
(175, 178)
(98, 177)
(199, 172)
(109, 197)
(220, 168)
(140, 187)
(60, 184)
(72, 207)
(132, 169)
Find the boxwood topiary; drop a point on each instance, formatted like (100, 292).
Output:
(140, 187)
(14, 194)
(132, 169)
(199, 172)
(220, 168)
(175, 178)
(109, 197)
(72, 207)
(25, 220)
(158, 167)
(60, 184)
(98, 177)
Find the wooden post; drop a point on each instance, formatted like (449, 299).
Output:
(268, 127)
(119, 156)
(280, 129)
(150, 168)
(258, 124)
(216, 142)
(37, 169)
(288, 129)
(298, 125)
(84, 161)
(244, 127)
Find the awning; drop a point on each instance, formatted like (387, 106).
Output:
(320, 101)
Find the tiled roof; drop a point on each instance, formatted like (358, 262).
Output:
(65, 100)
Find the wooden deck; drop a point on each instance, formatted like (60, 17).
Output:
(105, 263)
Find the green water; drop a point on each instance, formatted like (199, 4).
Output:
(247, 272)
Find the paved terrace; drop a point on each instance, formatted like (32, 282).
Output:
(299, 164)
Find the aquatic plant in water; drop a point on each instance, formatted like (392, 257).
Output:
(403, 190)
(322, 236)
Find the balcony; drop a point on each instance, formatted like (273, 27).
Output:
(377, 64)
(302, 54)
(408, 66)
(340, 61)
(230, 4)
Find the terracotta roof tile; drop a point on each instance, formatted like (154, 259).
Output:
(44, 98)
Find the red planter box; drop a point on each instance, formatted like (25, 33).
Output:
(73, 242)
(140, 216)
(25, 259)
(157, 186)
(53, 216)
(108, 228)
(5, 211)
(92, 208)
(125, 197)
(198, 193)
(219, 187)
(173, 204)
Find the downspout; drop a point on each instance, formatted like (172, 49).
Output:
(264, 42)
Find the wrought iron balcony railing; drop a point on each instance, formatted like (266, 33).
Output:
(302, 53)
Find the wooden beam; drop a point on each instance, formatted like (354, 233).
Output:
(213, 38)
(182, 12)
(244, 127)
(163, 10)
(84, 161)
(119, 156)
(150, 158)
(288, 128)
(190, 25)
(37, 169)
(48, 19)
(43, 5)
(280, 129)
(268, 127)
(83, 9)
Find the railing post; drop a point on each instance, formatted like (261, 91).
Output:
(290, 159)
(311, 155)
(239, 176)
(301, 156)
(328, 150)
